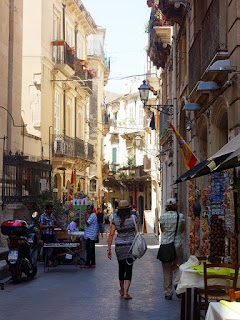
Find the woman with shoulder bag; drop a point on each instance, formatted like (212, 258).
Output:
(171, 225)
(125, 227)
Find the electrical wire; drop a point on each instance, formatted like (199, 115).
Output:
(108, 79)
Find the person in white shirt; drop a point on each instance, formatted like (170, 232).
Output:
(90, 235)
(72, 225)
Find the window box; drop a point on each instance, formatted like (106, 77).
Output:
(58, 42)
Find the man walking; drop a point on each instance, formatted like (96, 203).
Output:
(90, 235)
(135, 212)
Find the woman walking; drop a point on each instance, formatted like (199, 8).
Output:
(170, 223)
(124, 225)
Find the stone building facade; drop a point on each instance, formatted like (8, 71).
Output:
(192, 36)
(57, 88)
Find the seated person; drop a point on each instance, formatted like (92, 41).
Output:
(73, 225)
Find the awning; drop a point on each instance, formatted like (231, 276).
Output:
(227, 157)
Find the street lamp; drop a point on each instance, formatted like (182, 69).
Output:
(190, 107)
(138, 141)
(144, 93)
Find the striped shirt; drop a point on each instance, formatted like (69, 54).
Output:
(125, 234)
(169, 222)
(47, 221)
(91, 230)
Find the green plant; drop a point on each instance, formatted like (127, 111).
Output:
(122, 175)
(49, 197)
(131, 162)
(158, 15)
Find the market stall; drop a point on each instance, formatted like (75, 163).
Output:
(214, 230)
(73, 211)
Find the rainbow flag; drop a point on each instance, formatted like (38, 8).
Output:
(72, 188)
(188, 156)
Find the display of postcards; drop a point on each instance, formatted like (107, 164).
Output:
(214, 211)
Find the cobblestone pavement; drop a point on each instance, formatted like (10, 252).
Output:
(91, 294)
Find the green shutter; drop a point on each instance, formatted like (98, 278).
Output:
(114, 157)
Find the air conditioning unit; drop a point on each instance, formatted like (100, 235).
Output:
(59, 146)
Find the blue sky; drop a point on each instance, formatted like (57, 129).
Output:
(126, 39)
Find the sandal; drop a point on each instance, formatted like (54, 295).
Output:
(121, 292)
(127, 297)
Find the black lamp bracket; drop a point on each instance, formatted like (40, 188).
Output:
(159, 107)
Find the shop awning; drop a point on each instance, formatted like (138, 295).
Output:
(227, 157)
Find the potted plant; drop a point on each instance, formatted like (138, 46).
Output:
(149, 3)
(158, 15)
(58, 42)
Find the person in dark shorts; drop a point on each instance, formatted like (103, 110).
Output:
(101, 222)
(124, 224)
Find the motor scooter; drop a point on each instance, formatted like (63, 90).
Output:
(23, 248)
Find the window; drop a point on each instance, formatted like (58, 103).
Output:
(93, 185)
(69, 37)
(55, 37)
(114, 158)
(57, 113)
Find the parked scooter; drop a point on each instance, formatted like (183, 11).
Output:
(23, 248)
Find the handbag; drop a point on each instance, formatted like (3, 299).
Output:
(139, 246)
(167, 252)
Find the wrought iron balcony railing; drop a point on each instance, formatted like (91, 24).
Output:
(62, 56)
(64, 146)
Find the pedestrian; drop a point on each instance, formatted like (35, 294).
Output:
(101, 222)
(110, 218)
(47, 224)
(124, 224)
(135, 212)
(73, 225)
(168, 224)
(90, 235)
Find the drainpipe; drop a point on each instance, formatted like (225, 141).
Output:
(175, 106)
(64, 31)
(64, 109)
(10, 74)
(76, 43)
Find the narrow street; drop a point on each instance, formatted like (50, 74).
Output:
(62, 293)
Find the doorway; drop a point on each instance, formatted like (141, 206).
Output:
(141, 208)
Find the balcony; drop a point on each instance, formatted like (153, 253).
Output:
(67, 147)
(172, 13)
(210, 43)
(70, 65)
(159, 39)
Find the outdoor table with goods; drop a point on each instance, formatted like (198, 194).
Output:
(68, 251)
(71, 246)
(223, 310)
(192, 276)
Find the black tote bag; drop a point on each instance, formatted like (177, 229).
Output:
(167, 252)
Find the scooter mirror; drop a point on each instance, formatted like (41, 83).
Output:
(35, 214)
